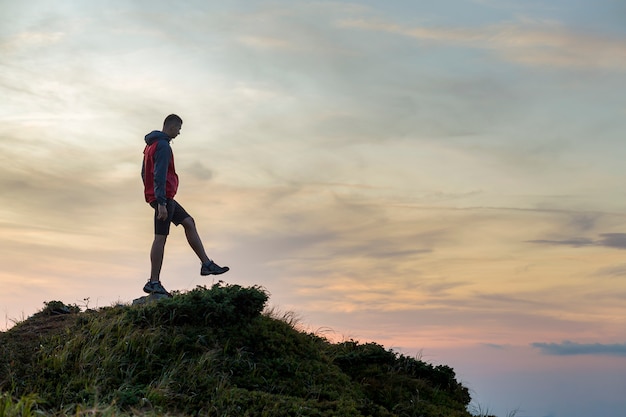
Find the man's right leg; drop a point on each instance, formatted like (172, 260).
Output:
(156, 260)
(161, 230)
(156, 257)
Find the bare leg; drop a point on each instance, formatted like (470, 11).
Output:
(194, 239)
(156, 256)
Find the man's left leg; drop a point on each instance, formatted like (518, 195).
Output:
(193, 238)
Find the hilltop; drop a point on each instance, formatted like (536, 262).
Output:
(211, 352)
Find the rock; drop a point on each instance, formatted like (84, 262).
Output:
(149, 298)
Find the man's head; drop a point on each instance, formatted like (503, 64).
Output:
(172, 125)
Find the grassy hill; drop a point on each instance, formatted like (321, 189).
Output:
(209, 352)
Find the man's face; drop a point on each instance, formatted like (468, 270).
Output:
(172, 130)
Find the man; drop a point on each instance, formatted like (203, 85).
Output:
(160, 186)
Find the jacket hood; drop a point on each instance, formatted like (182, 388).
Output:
(156, 135)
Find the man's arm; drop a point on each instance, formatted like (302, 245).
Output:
(162, 156)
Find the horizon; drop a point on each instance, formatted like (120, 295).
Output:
(443, 179)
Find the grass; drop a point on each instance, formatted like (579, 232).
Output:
(208, 352)
(480, 411)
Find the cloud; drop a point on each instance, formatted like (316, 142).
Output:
(30, 39)
(523, 302)
(497, 346)
(568, 348)
(576, 242)
(613, 240)
(614, 271)
(200, 171)
(610, 240)
(583, 222)
(527, 42)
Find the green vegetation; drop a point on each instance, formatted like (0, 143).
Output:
(208, 352)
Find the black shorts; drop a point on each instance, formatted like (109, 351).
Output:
(175, 214)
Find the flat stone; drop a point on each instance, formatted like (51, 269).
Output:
(148, 298)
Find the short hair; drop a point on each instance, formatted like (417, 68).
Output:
(171, 119)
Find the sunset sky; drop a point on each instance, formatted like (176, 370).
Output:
(444, 178)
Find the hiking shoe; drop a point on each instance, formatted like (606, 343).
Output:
(155, 287)
(211, 268)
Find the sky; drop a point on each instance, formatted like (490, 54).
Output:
(443, 178)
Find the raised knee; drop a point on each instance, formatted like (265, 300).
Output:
(189, 222)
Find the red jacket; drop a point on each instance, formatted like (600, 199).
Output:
(158, 172)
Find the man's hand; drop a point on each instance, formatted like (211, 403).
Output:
(162, 214)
